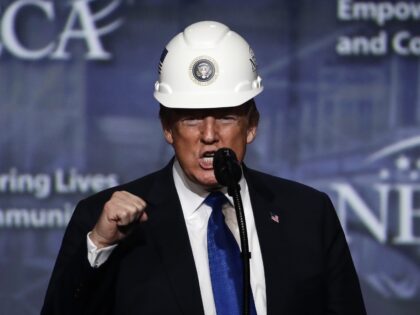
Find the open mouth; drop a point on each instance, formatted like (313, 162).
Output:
(206, 160)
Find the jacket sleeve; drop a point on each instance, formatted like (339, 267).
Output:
(343, 293)
(75, 287)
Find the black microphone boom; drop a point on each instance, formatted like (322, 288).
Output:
(227, 170)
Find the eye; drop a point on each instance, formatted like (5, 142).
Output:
(227, 119)
(191, 121)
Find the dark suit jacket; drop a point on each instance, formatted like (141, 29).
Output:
(307, 263)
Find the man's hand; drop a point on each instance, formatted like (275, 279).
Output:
(122, 209)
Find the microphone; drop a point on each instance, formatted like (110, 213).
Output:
(228, 172)
(226, 167)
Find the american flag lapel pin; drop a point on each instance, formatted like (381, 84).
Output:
(274, 217)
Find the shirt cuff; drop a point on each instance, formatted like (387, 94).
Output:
(96, 256)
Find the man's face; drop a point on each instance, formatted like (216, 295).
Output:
(196, 134)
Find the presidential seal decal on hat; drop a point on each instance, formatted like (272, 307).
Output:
(203, 70)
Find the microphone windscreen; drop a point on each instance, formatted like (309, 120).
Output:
(226, 167)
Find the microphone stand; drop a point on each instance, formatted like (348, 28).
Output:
(234, 192)
(228, 172)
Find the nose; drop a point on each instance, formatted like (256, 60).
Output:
(209, 133)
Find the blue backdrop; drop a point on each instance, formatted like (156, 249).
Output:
(340, 111)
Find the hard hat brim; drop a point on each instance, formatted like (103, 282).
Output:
(206, 100)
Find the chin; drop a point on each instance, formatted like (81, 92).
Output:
(207, 181)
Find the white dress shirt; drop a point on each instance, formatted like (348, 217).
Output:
(196, 215)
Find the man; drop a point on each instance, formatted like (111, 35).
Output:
(146, 247)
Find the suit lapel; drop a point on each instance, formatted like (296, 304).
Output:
(269, 229)
(169, 232)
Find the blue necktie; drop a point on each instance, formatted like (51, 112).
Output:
(224, 261)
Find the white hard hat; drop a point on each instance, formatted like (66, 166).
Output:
(207, 66)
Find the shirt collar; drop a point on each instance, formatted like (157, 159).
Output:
(192, 195)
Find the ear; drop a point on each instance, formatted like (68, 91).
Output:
(167, 133)
(251, 134)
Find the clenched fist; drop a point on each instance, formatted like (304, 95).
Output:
(122, 209)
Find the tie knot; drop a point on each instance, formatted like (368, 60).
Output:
(215, 200)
